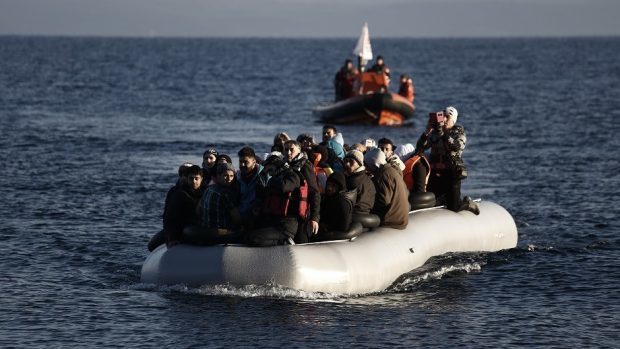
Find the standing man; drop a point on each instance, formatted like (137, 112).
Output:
(298, 161)
(344, 80)
(447, 142)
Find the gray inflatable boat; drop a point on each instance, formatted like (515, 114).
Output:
(369, 263)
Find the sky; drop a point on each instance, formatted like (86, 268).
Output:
(311, 18)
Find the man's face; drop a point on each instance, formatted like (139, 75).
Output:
(208, 161)
(328, 133)
(246, 164)
(291, 151)
(380, 61)
(226, 178)
(448, 124)
(386, 149)
(330, 188)
(194, 180)
(350, 165)
(349, 65)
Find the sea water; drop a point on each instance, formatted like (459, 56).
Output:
(93, 130)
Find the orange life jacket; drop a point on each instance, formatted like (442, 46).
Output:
(407, 173)
(407, 90)
(278, 204)
(370, 82)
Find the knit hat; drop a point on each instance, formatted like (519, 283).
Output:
(405, 151)
(221, 168)
(224, 157)
(338, 179)
(374, 159)
(451, 113)
(356, 155)
(210, 151)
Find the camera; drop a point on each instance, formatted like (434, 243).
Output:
(437, 118)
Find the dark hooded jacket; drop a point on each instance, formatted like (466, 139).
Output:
(365, 189)
(180, 210)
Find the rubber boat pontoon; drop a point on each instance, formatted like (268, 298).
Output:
(369, 263)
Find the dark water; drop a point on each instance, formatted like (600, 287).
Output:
(94, 129)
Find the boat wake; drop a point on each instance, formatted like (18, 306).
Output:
(408, 281)
(431, 272)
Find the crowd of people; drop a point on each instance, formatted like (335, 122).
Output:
(303, 191)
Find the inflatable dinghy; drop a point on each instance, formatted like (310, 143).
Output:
(369, 263)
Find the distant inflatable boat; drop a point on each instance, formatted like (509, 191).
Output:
(369, 263)
(389, 109)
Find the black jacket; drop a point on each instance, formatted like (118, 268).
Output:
(365, 189)
(180, 210)
(337, 211)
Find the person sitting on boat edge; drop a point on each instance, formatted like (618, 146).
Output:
(358, 180)
(160, 237)
(387, 147)
(180, 206)
(344, 80)
(247, 179)
(335, 150)
(281, 207)
(447, 142)
(391, 201)
(406, 88)
(298, 161)
(221, 221)
(336, 208)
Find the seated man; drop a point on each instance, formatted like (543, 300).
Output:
(391, 201)
(387, 146)
(358, 180)
(180, 207)
(247, 179)
(221, 220)
(335, 149)
(160, 237)
(309, 220)
(336, 206)
(208, 160)
(281, 206)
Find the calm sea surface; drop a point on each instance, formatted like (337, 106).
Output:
(94, 129)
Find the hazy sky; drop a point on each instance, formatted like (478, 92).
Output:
(310, 18)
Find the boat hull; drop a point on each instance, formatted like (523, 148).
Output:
(371, 109)
(369, 263)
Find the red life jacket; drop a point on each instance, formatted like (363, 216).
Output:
(320, 173)
(278, 204)
(407, 172)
